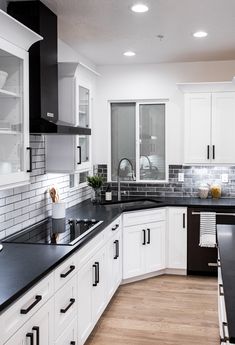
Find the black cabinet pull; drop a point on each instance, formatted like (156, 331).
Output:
(213, 151)
(148, 241)
(183, 220)
(221, 292)
(30, 336)
(98, 272)
(71, 268)
(80, 154)
(72, 301)
(37, 300)
(225, 338)
(117, 249)
(144, 240)
(72, 343)
(208, 151)
(30, 159)
(36, 328)
(115, 227)
(95, 267)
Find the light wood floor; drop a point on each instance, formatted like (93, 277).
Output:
(166, 310)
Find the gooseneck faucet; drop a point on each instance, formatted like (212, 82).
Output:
(118, 175)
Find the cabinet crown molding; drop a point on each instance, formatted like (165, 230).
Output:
(16, 33)
(207, 87)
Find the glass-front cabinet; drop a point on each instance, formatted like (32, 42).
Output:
(138, 133)
(15, 153)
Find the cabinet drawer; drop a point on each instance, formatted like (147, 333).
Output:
(65, 272)
(65, 306)
(85, 253)
(70, 334)
(113, 228)
(146, 216)
(14, 317)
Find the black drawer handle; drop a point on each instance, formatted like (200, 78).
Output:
(72, 343)
(37, 300)
(80, 155)
(71, 269)
(95, 267)
(117, 249)
(144, 240)
(183, 220)
(72, 301)
(97, 273)
(115, 227)
(36, 328)
(221, 290)
(30, 159)
(213, 147)
(148, 241)
(225, 338)
(30, 336)
(208, 151)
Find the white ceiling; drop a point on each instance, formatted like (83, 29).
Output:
(102, 30)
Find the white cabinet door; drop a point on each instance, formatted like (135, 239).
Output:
(85, 279)
(177, 238)
(114, 263)
(133, 254)
(197, 128)
(100, 286)
(155, 247)
(223, 125)
(39, 327)
(69, 337)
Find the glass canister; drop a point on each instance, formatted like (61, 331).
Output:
(216, 191)
(203, 191)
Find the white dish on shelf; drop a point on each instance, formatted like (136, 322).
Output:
(3, 78)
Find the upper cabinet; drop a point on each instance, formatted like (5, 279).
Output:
(15, 153)
(209, 127)
(66, 153)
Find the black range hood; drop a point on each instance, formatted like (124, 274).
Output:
(43, 69)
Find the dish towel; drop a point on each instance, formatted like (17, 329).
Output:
(207, 229)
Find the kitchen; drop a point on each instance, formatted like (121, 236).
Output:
(150, 241)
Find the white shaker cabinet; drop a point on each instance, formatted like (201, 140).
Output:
(209, 128)
(114, 263)
(143, 242)
(38, 330)
(177, 238)
(15, 153)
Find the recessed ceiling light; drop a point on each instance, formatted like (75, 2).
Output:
(200, 34)
(129, 53)
(139, 8)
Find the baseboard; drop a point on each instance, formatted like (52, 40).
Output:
(175, 271)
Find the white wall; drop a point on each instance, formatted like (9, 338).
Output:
(154, 81)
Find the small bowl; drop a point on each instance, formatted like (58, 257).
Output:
(3, 78)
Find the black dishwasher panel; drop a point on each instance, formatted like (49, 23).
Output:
(202, 261)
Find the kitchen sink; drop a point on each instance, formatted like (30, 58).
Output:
(129, 204)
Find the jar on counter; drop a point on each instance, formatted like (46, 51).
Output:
(203, 191)
(216, 191)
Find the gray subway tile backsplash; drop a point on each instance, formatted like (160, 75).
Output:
(193, 177)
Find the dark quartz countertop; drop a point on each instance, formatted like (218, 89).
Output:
(23, 265)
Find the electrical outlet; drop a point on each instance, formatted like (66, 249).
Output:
(180, 177)
(224, 178)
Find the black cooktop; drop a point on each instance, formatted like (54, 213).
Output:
(42, 233)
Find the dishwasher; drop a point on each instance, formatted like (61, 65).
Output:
(203, 261)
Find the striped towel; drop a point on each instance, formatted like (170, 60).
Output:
(207, 229)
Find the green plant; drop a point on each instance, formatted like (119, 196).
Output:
(95, 181)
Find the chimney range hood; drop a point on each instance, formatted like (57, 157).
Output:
(43, 69)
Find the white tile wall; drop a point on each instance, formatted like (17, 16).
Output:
(24, 206)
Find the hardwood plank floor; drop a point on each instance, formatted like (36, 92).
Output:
(165, 310)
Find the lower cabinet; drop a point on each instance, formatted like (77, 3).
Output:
(143, 249)
(114, 263)
(38, 330)
(91, 294)
(69, 336)
(177, 238)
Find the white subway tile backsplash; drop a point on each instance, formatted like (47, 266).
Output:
(24, 206)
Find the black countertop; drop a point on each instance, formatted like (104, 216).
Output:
(23, 265)
(226, 242)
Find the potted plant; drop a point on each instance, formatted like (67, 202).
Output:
(96, 183)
